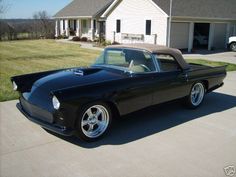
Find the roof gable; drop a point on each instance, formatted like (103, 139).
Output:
(83, 8)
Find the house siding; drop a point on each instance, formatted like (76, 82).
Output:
(133, 15)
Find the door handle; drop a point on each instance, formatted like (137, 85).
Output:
(185, 76)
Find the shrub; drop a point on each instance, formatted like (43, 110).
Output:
(115, 43)
(62, 37)
(96, 39)
(76, 38)
(84, 39)
(105, 43)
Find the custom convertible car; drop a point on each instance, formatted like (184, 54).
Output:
(124, 79)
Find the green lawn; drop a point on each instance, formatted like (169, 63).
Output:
(21, 57)
(230, 66)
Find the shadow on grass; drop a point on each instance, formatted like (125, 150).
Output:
(156, 119)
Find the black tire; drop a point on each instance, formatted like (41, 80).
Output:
(192, 103)
(233, 46)
(84, 134)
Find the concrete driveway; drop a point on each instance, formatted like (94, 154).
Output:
(166, 140)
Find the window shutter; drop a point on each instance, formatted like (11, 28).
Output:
(118, 26)
(148, 27)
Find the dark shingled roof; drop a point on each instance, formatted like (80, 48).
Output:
(200, 8)
(83, 8)
(221, 9)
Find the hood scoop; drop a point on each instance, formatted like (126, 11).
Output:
(78, 72)
(85, 71)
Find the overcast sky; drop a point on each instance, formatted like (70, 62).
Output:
(26, 8)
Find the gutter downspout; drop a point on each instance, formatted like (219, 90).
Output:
(169, 25)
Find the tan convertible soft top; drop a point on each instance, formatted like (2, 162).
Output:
(156, 49)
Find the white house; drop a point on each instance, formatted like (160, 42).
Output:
(82, 18)
(132, 21)
(183, 24)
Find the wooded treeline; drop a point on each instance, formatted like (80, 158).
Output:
(41, 26)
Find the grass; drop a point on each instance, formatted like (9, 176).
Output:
(22, 57)
(230, 66)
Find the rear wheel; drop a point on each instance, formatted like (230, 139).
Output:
(233, 46)
(196, 95)
(94, 121)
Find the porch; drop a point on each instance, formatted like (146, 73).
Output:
(82, 27)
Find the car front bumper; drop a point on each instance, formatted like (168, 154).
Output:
(49, 126)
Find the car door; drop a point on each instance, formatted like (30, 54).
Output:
(170, 82)
(137, 93)
(137, 89)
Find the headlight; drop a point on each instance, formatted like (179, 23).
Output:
(14, 86)
(55, 102)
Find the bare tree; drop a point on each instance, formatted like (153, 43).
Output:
(3, 7)
(5, 29)
(43, 25)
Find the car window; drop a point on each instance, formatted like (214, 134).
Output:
(129, 59)
(167, 63)
(116, 57)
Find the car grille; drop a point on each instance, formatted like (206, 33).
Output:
(36, 112)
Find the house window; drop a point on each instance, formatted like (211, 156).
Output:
(118, 26)
(148, 27)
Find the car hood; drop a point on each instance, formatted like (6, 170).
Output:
(76, 77)
(68, 78)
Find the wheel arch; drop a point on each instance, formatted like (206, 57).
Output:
(114, 108)
(206, 84)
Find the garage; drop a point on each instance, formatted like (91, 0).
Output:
(179, 35)
(201, 35)
(219, 39)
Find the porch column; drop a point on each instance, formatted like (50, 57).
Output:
(67, 27)
(78, 27)
(92, 29)
(57, 28)
(190, 36)
(61, 27)
(211, 36)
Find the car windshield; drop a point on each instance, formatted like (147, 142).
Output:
(130, 60)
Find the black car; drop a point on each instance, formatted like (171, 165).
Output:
(124, 79)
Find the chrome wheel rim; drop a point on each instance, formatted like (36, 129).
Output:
(95, 121)
(233, 46)
(197, 94)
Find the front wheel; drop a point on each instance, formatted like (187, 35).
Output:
(196, 95)
(233, 46)
(94, 121)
